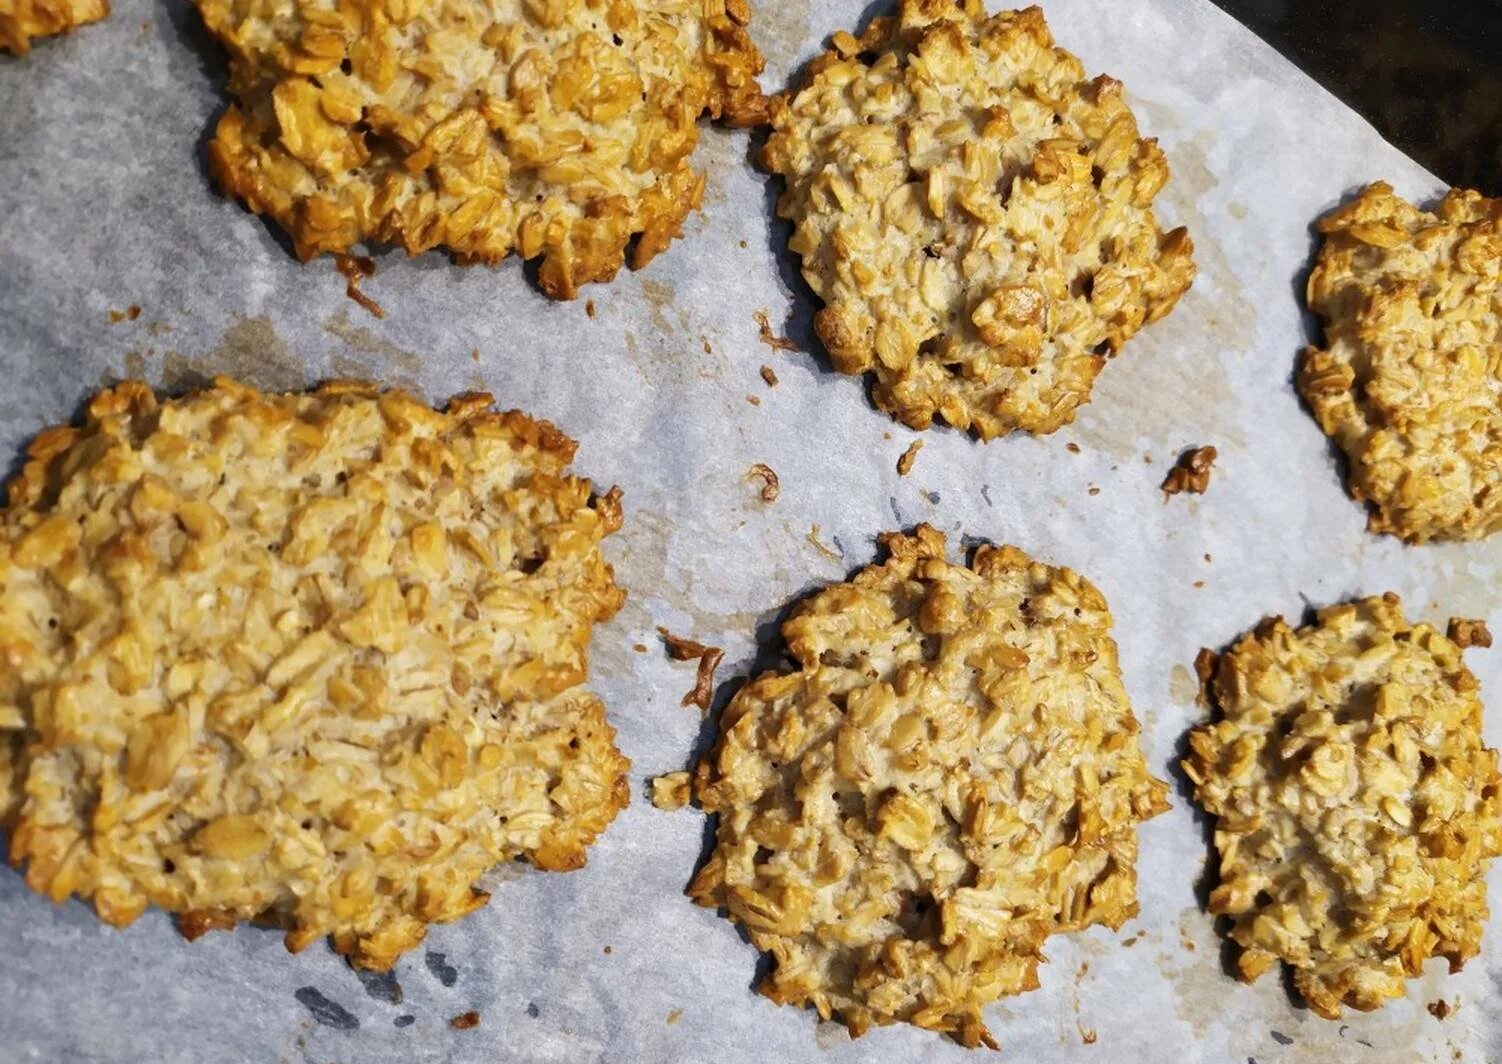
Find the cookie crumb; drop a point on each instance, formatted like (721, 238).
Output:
(670, 791)
(704, 340)
(607, 951)
(770, 486)
(753, 400)
(768, 376)
(1192, 473)
(1466, 633)
(909, 456)
(354, 269)
(1440, 1009)
(640, 648)
(589, 308)
(1072, 447)
(465, 1021)
(475, 355)
(681, 649)
(674, 1016)
(1094, 490)
(768, 337)
(1087, 1034)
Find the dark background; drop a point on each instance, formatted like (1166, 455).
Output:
(1426, 73)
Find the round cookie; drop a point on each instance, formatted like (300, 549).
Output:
(1356, 805)
(951, 775)
(552, 128)
(1409, 382)
(975, 215)
(23, 20)
(311, 659)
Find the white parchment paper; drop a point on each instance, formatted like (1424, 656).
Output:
(104, 204)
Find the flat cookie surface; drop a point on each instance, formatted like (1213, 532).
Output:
(1409, 383)
(975, 215)
(23, 20)
(552, 128)
(951, 775)
(1357, 805)
(313, 659)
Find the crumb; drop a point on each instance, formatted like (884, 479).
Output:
(606, 951)
(671, 791)
(1094, 490)
(1147, 459)
(813, 537)
(640, 648)
(676, 1014)
(770, 487)
(743, 243)
(708, 350)
(475, 354)
(133, 312)
(1087, 1034)
(1192, 473)
(1128, 943)
(130, 313)
(1208, 558)
(1072, 448)
(354, 269)
(1199, 584)
(909, 456)
(680, 649)
(771, 339)
(753, 400)
(589, 308)
(116, 317)
(1466, 633)
(465, 1021)
(1440, 1009)
(768, 376)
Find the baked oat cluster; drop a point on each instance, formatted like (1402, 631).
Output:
(951, 775)
(552, 128)
(22, 20)
(1409, 383)
(310, 659)
(1356, 805)
(975, 215)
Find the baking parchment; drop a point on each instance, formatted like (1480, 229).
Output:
(104, 205)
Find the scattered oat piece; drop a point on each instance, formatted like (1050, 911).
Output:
(681, 649)
(1087, 1034)
(354, 269)
(674, 1016)
(1192, 473)
(1348, 754)
(849, 830)
(1469, 633)
(771, 339)
(1072, 447)
(465, 1021)
(671, 790)
(1128, 943)
(1440, 1009)
(589, 308)
(909, 456)
(1093, 490)
(753, 400)
(813, 537)
(262, 806)
(640, 648)
(770, 486)
(769, 376)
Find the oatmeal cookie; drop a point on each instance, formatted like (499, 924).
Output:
(975, 215)
(21, 20)
(553, 128)
(311, 659)
(1356, 804)
(951, 775)
(1409, 382)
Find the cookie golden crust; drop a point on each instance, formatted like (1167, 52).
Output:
(22, 20)
(1356, 804)
(951, 775)
(1409, 383)
(311, 659)
(975, 215)
(552, 128)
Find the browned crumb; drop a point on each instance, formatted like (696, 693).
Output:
(1147, 459)
(1128, 943)
(130, 313)
(675, 1016)
(1199, 584)
(1072, 448)
(1087, 1034)
(813, 537)
(743, 243)
(465, 1021)
(768, 376)
(116, 317)
(475, 354)
(1094, 490)
(1466, 633)
(640, 648)
(771, 339)
(606, 951)
(1204, 665)
(1208, 558)
(1192, 473)
(354, 269)
(681, 649)
(589, 308)
(1440, 1009)
(909, 456)
(753, 400)
(708, 350)
(770, 486)
(196, 923)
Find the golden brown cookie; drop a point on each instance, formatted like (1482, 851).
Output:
(1409, 382)
(1356, 803)
(21, 20)
(313, 659)
(553, 128)
(975, 215)
(950, 776)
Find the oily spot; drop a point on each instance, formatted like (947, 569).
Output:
(376, 348)
(1182, 686)
(249, 351)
